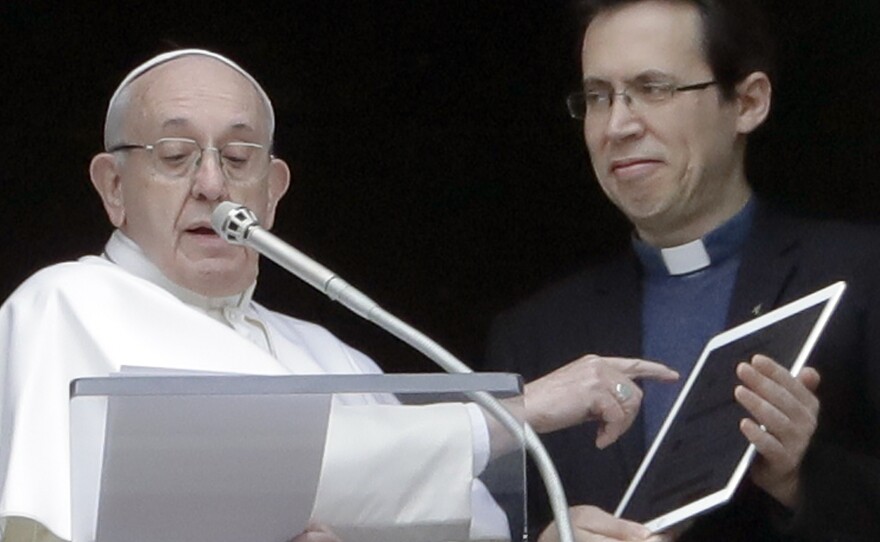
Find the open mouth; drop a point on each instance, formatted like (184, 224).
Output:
(202, 230)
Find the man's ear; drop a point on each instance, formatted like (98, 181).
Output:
(753, 102)
(104, 172)
(279, 181)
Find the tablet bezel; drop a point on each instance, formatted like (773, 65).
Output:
(830, 296)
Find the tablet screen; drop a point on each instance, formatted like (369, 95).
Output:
(700, 455)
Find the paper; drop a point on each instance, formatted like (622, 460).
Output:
(210, 467)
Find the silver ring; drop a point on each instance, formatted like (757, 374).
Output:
(622, 392)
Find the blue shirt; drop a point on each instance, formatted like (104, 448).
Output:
(681, 312)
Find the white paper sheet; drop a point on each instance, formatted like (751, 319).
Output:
(210, 467)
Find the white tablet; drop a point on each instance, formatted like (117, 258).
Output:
(699, 455)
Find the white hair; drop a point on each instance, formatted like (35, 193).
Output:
(120, 99)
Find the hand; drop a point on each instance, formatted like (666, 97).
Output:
(788, 409)
(316, 533)
(591, 388)
(591, 524)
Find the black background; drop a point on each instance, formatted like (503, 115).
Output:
(434, 165)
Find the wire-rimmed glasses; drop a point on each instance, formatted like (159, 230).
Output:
(179, 158)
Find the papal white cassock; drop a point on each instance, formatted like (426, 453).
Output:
(92, 316)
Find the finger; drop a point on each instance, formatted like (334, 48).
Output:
(778, 388)
(785, 415)
(549, 534)
(317, 532)
(756, 404)
(810, 378)
(777, 439)
(790, 426)
(765, 442)
(613, 420)
(604, 526)
(776, 468)
(316, 536)
(762, 381)
(629, 396)
(781, 376)
(640, 368)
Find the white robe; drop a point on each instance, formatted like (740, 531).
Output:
(89, 318)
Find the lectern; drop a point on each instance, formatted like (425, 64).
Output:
(204, 457)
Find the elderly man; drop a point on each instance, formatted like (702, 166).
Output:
(185, 131)
(671, 91)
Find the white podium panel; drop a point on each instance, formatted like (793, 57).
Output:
(229, 458)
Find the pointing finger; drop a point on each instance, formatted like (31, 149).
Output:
(640, 368)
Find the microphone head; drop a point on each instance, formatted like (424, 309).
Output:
(233, 222)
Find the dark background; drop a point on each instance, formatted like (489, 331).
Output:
(434, 165)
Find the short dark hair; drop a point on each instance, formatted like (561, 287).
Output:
(736, 37)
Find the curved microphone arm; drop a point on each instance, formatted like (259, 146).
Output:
(239, 225)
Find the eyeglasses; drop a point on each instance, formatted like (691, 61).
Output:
(179, 158)
(596, 102)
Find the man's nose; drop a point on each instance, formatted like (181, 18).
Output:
(209, 180)
(623, 120)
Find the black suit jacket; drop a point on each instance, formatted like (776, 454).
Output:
(599, 311)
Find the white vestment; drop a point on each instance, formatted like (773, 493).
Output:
(89, 318)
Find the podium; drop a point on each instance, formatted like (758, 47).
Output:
(223, 458)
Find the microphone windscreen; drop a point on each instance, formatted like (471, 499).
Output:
(232, 221)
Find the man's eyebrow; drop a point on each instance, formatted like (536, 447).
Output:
(647, 75)
(242, 126)
(596, 81)
(175, 121)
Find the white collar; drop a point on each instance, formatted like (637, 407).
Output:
(686, 258)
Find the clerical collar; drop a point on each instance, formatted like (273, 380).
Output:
(121, 250)
(715, 247)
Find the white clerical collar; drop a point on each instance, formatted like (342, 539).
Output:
(686, 258)
(724, 242)
(121, 250)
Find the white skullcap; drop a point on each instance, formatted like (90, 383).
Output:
(172, 55)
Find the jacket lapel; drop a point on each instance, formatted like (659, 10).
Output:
(767, 267)
(619, 334)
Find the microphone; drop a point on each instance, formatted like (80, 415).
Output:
(239, 225)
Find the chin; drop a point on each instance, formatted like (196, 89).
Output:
(218, 279)
(212, 286)
(644, 210)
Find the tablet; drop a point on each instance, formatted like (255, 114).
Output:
(699, 455)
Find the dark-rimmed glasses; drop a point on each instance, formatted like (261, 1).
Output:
(595, 103)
